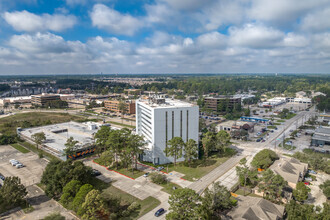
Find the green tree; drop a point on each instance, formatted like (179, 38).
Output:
(174, 148)
(245, 174)
(101, 138)
(69, 192)
(122, 107)
(54, 216)
(38, 138)
(58, 173)
(12, 193)
(190, 150)
(71, 146)
(301, 192)
(80, 196)
(271, 185)
(326, 188)
(222, 141)
(264, 159)
(184, 204)
(208, 142)
(216, 200)
(137, 145)
(94, 206)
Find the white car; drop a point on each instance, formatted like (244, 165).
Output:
(19, 165)
(14, 162)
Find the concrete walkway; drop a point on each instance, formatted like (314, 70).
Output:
(200, 185)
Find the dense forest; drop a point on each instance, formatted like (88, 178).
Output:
(230, 84)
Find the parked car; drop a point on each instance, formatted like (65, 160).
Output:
(146, 174)
(2, 177)
(263, 140)
(95, 172)
(258, 140)
(312, 172)
(160, 212)
(19, 165)
(159, 168)
(14, 162)
(307, 183)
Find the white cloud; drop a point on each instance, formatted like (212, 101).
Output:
(255, 36)
(114, 22)
(188, 5)
(283, 12)
(212, 39)
(39, 43)
(294, 40)
(317, 21)
(26, 21)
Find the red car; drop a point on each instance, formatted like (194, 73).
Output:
(307, 183)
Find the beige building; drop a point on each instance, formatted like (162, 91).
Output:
(112, 105)
(252, 208)
(41, 100)
(291, 169)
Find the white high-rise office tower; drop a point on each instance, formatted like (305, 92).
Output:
(159, 120)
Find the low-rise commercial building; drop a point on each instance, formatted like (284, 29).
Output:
(212, 103)
(57, 135)
(271, 103)
(291, 169)
(113, 105)
(321, 136)
(252, 208)
(41, 100)
(16, 100)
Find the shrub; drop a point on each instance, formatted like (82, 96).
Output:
(158, 178)
(80, 196)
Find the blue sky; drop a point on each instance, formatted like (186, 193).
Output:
(164, 36)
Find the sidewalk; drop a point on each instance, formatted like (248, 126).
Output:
(200, 185)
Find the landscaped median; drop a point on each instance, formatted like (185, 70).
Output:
(20, 148)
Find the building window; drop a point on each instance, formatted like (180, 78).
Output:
(166, 139)
(187, 125)
(172, 124)
(181, 124)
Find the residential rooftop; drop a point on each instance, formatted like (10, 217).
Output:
(251, 208)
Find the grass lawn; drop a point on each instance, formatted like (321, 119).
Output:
(241, 192)
(33, 119)
(124, 125)
(168, 187)
(276, 123)
(137, 173)
(147, 204)
(271, 127)
(199, 168)
(34, 149)
(99, 184)
(281, 120)
(20, 148)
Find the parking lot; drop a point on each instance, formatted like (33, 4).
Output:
(33, 165)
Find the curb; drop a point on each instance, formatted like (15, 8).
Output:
(113, 170)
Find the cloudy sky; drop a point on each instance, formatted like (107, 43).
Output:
(164, 36)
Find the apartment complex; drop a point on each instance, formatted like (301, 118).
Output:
(41, 100)
(230, 102)
(113, 105)
(159, 120)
